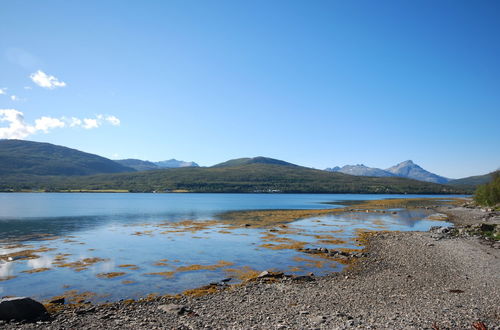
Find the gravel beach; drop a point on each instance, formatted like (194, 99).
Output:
(421, 280)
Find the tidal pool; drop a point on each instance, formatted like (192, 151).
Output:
(106, 247)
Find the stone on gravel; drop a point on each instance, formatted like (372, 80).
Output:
(302, 278)
(174, 309)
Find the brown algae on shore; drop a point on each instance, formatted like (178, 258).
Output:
(266, 218)
(194, 267)
(74, 296)
(187, 226)
(290, 246)
(244, 273)
(110, 274)
(168, 274)
(202, 291)
(129, 266)
(80, 265)
(36, 270)
(25, 254)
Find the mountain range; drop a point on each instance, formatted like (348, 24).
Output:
(36, 158)
(27, 165)
(144, 165)
(407, 169)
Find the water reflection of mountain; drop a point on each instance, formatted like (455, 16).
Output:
(410, 218)
(38, 228)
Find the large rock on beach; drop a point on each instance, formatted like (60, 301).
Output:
(21, 309)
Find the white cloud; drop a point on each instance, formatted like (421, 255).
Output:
(28, 87)
(17, 128)
(47, 123)
(3, 91)
(14, 98)
(89, 123)
(75, 122)
(46, 81)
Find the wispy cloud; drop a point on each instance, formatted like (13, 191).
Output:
(113, 120)
(3, 91)
(22, 57)
(15, 98)
(17, 128)
(46, 81)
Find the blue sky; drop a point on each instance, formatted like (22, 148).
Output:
(317, 83)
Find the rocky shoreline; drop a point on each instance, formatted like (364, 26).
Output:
(442, 279)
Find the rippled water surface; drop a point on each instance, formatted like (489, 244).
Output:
(111, 246)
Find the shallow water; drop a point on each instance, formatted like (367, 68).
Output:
(129, 245)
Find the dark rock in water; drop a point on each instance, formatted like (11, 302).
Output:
(16, 258)
(21, 309)
(266, 274)
(59, 301)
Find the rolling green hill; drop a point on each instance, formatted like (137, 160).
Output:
(255, 160)
(19, 157)
(26, 165)
(472, 181)
(253, 177)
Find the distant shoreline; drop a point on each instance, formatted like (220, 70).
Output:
(119, 191)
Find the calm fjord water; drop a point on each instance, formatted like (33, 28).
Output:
(114, 246)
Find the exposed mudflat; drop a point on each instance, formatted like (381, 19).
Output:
(409, 280)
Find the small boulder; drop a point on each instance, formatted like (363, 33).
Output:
(487, 227)
(21, 309)
(263, 274)
(174, 309)
(266, 274)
